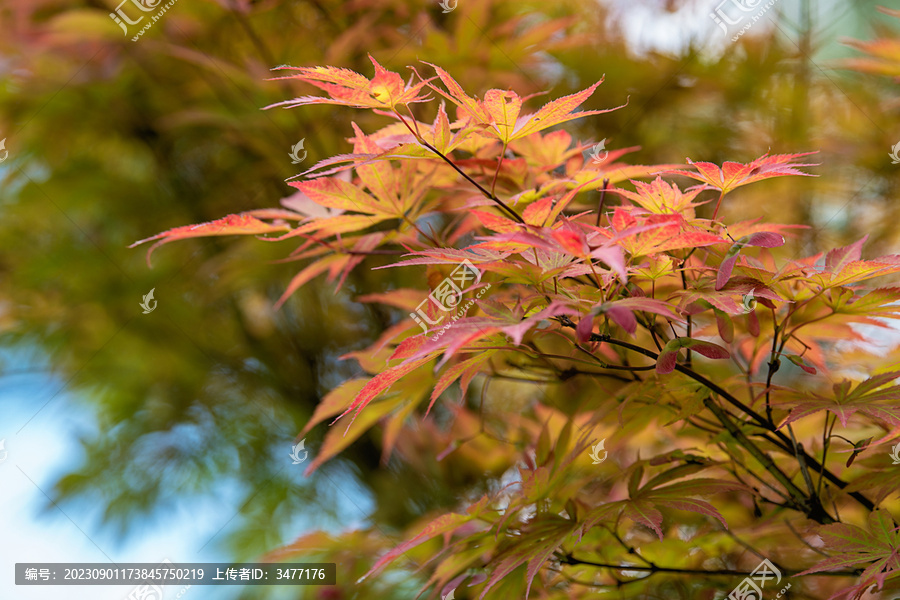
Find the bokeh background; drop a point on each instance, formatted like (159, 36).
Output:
(136, 437)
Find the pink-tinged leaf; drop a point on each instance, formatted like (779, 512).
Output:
(334, 402)
(442, 135)
(556, 112)
(398, 150)
(878, 549)
(334, 226)
(406, 299)
(797, 360)
(537, 212)
(458, 96)
(310, 272)
(571, 242)
(462, 332)
(453, 445)
(566, 199)
(753, 324)
(392, 426)
(408, 347)
(380, 384)
(688, 487)
(733, 175)
(764, 239)
(539, 539)
(442, 525)
(336, 442)
(449, 256)
(623, 317)
(861, 270)
(691, 239)
(660, 196)
(612, 256)
(386, 84)
(379, 176)
(494, 222)
(337, 193)
(870, 397)
(317, 541)
(707, 349)
(348, 88)
(725, 325)
(697, 506)
(554, 309)
(643, 512)
(665, 362)
(503, 108)
(678, 495)
(838, 258)
(470, 366)
(584, 328)
(650, 305)
(725, 269)
(303, 204)
(239, 224)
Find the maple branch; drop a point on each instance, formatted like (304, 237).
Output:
(481, 188)
(826, 442)
(773, 366)
(759, 419)
(602, 200)
(569, 559)
(806, 505)
(688, 355)
(799, 452)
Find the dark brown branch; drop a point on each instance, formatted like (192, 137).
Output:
(806, 505)
(481, 188)
(568, 559)
(759, 419)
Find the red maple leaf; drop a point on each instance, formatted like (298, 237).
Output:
(733, 175)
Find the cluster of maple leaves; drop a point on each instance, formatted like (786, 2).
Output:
(588, 265)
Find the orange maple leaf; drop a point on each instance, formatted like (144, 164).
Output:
(239, 224)
(733, 175)
(386, 90)
(499, 112)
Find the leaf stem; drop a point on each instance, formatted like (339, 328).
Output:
(481, 188)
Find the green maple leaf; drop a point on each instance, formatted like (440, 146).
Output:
(878, 548)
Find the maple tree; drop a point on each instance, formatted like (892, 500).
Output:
(665, 315)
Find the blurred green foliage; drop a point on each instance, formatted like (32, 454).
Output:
(111, 141)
